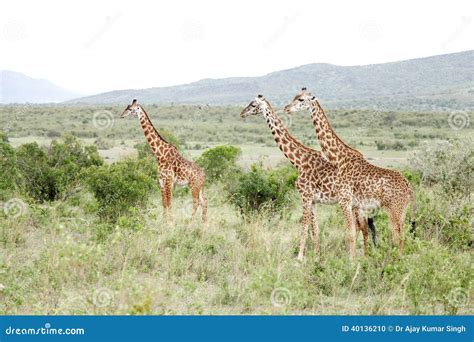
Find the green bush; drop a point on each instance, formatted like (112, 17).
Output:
(390, 145)
(49, 173)
(447, 220)
(38, 178)
(103, 144)
(443, 207)
(219, 161)
(450, 165)
(8, 169)
(119, 188)
(260, 188)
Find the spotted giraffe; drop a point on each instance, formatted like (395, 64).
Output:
(361, 185)
(173, 168)
(317, 176)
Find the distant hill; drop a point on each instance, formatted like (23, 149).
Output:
(18, 88)
(432, 83)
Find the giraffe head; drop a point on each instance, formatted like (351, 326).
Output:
(255, 107)
(133, 109)
(300, 102)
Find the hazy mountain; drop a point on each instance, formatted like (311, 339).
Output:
(19, 88)
(437, 82)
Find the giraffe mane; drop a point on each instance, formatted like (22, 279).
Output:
(292, 138)
(342, 141)
(156, 131)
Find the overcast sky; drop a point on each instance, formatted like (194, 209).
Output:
(95, 46)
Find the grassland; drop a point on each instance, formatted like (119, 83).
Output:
(59, 258)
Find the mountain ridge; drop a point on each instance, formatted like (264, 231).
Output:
(16, 87)
(435, 83)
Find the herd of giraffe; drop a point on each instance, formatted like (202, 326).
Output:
(338, 174)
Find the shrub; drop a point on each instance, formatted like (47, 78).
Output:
(8, 168)
(47, 174)
(219, 161)
(53, 134)
(260, 188)
(38, 178)
(443, 206)
(118, 188)
(69, 158)
(390, 145)
(3, 137)
(103, 144)
(447, 164)
(447, 220)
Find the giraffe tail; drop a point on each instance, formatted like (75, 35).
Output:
(372, 230)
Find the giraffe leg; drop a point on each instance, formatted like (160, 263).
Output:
(349, 221)
(305, 222)
(167, 195)
(396, 218)
(203, 200)
(164, 201)
(315, 232)
(195, 194)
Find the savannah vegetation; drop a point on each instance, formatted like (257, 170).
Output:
(82, 231)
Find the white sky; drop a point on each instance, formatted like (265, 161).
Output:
(95, 46)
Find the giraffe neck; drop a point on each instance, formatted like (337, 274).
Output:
(333, 146)
(287, 144)
(157, 144)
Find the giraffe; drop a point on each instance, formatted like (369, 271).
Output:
(362, 186)
(172, 167)
(317, 176)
